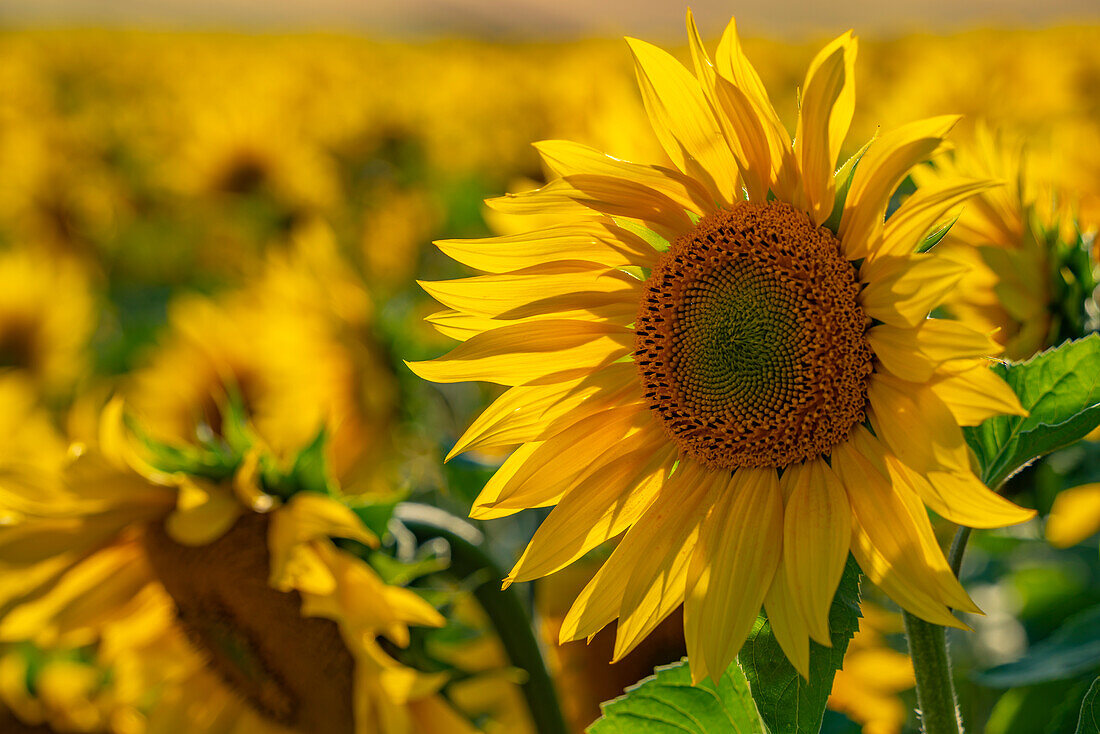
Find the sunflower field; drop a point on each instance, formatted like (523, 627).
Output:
(358, 386)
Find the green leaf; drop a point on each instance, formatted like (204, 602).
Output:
(667, 703)
(788, 703)
(1061, 390)
(1089, 723)
(1069, 652)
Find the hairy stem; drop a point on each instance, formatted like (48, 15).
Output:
(939, 713)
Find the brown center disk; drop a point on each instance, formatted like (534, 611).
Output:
(295, 670)
(750, 341)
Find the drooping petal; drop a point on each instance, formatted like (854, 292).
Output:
(882, 168)
(827, 105)
(882, 568)
(536, 352)
(732, 567)
(896, 523)
(787, 624)
(816, 535)
(962, 498)
(683, 121)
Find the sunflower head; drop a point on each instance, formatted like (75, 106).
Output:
(728, 363)
(1030, 276)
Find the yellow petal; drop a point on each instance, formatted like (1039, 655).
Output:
(790, 631)
(951, 591)
(204, 512)
(734, 67)
(540, 475)
(883, 570)
(532, 412)
(683, 121)
(882, 168)
(661, 532)
(541, 351)
(896, 523)
(618, 197)
(306, 517)
(962, 498)
(602, 505)
(977, 393)
(565, 158)
(913, 354)
(922, 211)
(901, 291)
(555, 288)
(816, 535)
(597, 242)
(1074, 516)
(828, 101)
(732, 567)
(657, 581)
(737, 118)
(916, 425)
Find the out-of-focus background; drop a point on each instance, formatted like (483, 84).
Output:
(196, 194)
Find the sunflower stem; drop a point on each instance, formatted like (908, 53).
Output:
(939, 711)
(503, 607)
(958, 548)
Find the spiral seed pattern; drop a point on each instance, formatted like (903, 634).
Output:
(750, 339)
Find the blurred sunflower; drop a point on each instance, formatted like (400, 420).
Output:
(287, 357)
(866, 689)
(238, 141)
(244, 546)
(47, 316)
(744, 388)
(1028, 269)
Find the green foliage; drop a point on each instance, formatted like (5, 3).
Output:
(1047, 708)
(1061, 390)
(1069, 652)
(1089, 723)
(667, 703)
(788, 703)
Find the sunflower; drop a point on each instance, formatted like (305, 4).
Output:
(296, 364)
(730, 364)
(47, 316)
(244, 547)
(1028, 275)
